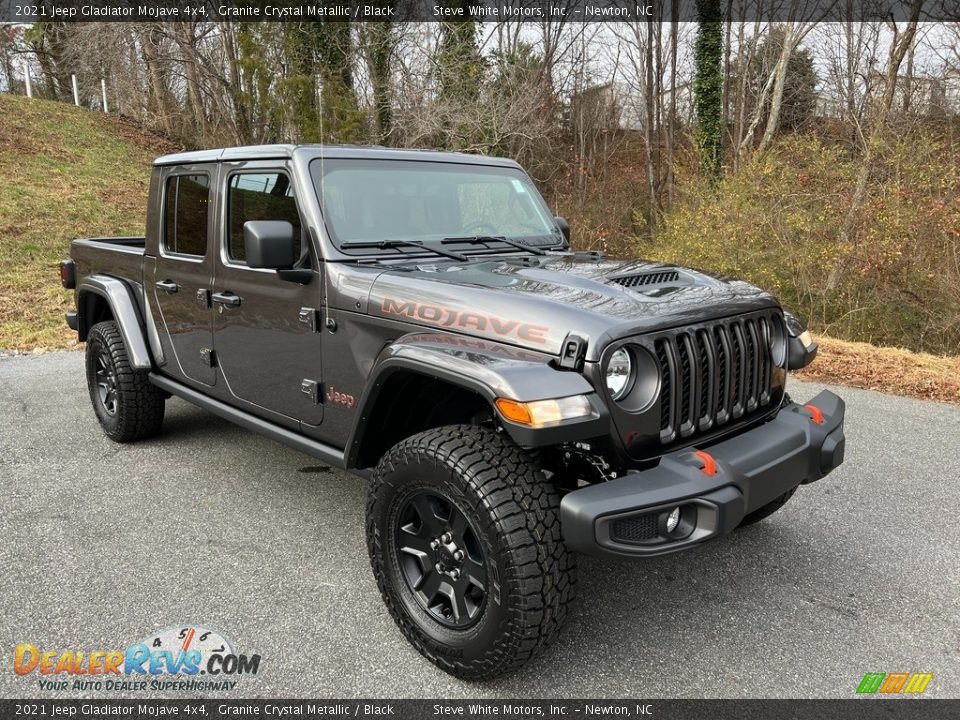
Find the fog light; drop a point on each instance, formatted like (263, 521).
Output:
(673, 519)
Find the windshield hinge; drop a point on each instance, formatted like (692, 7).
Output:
(572, 352)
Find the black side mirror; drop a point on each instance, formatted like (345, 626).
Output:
(269, 244)
(564, 228)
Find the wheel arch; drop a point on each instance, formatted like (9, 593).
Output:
(426, 380)
(407, 398)
(101, 298)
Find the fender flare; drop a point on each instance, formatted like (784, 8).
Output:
(123, 306)
(486, 368)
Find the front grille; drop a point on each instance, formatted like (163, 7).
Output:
(636, 529)
(648, 278)
(712, 375)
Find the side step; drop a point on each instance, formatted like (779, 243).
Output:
(330, 455)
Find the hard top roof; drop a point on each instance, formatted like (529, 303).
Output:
(364, 152)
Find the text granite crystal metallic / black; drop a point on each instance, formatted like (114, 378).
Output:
(418, 318)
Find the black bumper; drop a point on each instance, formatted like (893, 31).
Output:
(714, 489)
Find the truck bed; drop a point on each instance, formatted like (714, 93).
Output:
(120, 257)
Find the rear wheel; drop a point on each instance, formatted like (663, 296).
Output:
(464, 538)
(127, 406)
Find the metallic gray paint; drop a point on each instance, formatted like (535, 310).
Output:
(562, 293)
(501, 322)
(124, 309)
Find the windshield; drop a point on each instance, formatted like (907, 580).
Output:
(397, 200)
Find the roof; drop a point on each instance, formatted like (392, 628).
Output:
(367, 152)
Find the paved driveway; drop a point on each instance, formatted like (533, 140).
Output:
(103, 544)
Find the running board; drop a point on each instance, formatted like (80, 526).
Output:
(329, 455)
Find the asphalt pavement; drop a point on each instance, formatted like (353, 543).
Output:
(208, 524)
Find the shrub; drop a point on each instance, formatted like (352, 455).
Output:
(887, 272)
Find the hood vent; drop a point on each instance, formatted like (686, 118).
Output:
(657, 277)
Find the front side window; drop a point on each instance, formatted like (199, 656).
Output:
(259, 196)
(185, 214)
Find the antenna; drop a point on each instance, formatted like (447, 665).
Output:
(323, 148)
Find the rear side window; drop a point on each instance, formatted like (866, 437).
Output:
(259, 196)
(185, 215)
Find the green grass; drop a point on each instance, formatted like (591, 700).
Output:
(65, 172)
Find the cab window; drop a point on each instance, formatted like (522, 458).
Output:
(185, 225)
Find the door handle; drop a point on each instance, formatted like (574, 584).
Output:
(227, 298)
(169, 285)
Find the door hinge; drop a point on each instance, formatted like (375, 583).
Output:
(208, 356)
(311, 317)
(203, 297)
(311, 388)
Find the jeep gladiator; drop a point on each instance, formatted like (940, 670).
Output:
(418, 318)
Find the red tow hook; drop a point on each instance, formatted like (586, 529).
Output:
(709, 464)
(816, 414)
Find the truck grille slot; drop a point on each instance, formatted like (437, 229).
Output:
(635, 529)
(648, 278)
(710, 376)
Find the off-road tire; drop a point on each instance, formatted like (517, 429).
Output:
(514, 512)
(767, 510)
(138, 405)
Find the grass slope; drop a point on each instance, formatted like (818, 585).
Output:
(65, 172)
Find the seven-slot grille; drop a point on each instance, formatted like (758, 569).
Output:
(657, 277)
(713, 374)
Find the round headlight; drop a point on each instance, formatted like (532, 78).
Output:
(618, 373)
(778, 342)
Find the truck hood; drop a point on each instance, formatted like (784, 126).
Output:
(534, 302)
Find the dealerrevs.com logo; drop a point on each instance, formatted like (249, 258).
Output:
(177, 658)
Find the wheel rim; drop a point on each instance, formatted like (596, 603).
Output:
(441, 559)
(106, 380)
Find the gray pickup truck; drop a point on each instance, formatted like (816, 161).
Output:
(418, 318)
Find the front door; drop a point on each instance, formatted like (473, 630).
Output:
(178, 278)
(267, 330)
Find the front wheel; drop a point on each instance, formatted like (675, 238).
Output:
(464, 537)
(127, 406)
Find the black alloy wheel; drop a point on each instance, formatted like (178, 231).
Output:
(441, 559)
(106, 381)
(463, 530)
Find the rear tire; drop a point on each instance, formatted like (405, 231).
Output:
(767, 510)
(497, 585)
(127, 406)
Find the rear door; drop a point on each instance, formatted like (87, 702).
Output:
(267, 330)
(182, 271)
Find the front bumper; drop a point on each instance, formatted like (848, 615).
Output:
(715, 488)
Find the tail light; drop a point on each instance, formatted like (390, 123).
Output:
(68, 274)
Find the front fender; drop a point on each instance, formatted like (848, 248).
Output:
(123, 307)
(489, 369)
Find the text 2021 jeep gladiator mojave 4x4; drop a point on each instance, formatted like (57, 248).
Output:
(417, 317)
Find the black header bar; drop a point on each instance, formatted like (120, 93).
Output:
(509, 709)
(538, 11)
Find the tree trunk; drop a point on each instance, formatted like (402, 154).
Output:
(708, 86)
(776, 95)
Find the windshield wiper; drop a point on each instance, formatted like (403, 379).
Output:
(496, 238)
(388, 243)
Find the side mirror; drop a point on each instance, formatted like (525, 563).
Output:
(564, 228)
(269, 244)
